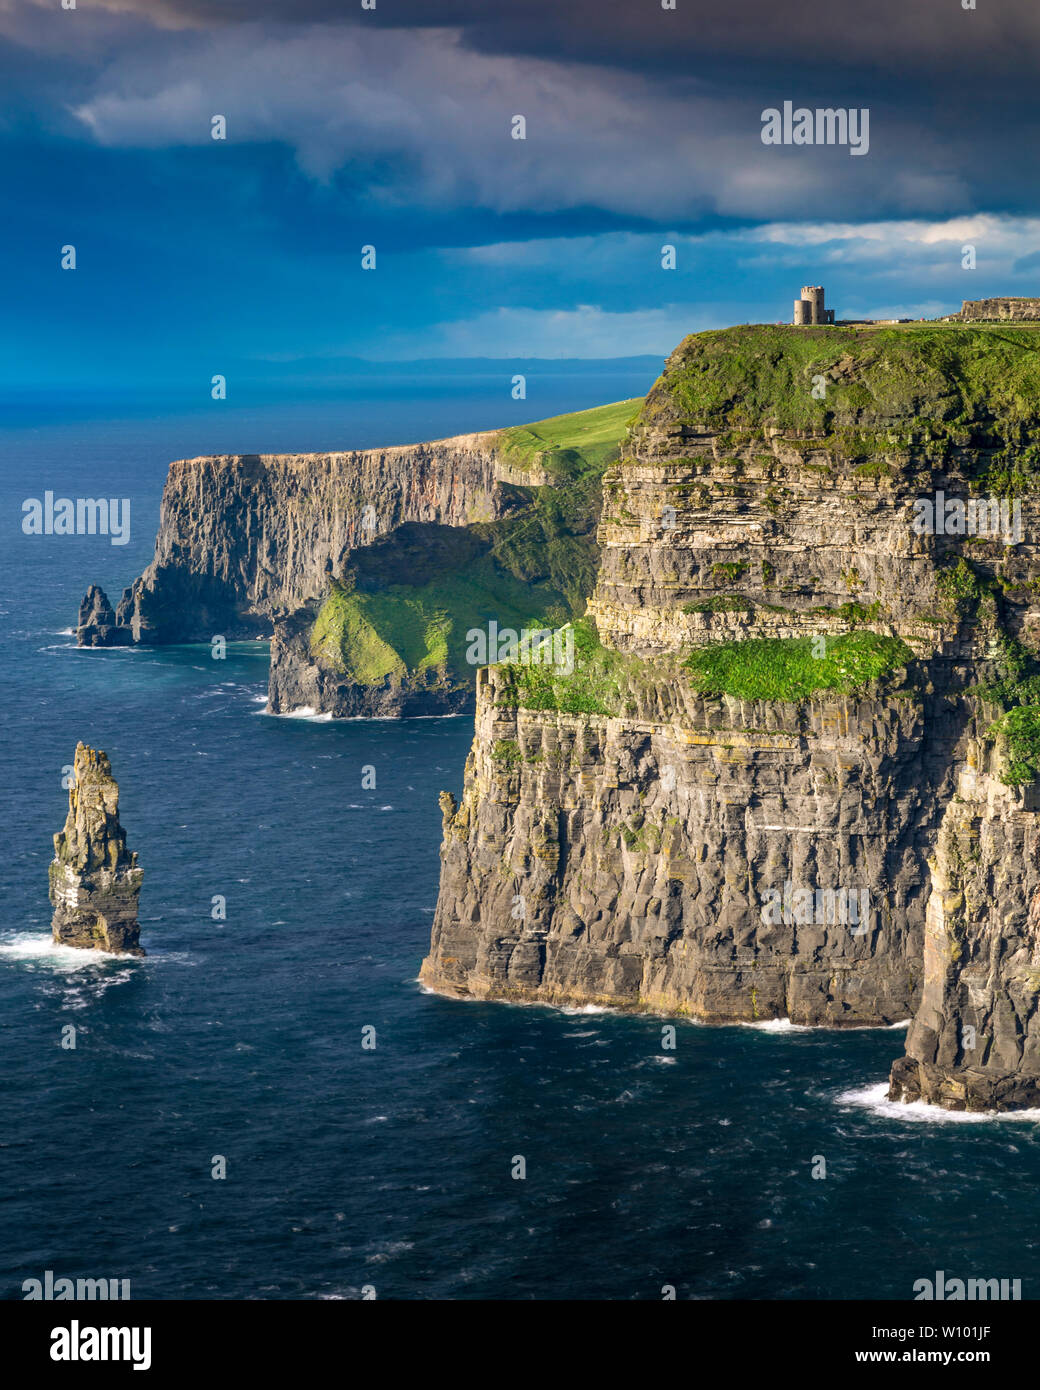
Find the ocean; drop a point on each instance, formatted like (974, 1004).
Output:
(389, 1168)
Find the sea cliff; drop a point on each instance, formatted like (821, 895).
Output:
(367, 569)
(803, 687)
(247, 538)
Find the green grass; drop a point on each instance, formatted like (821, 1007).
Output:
(403, 630)
(553, 542)
(855, 614)
(777, 668)
(757, 669)
(595, 686)
(538, 570)
(1018, 732)
(890, 388)
(507, 751)
(566, 444)
(730, 570)
(722, 603)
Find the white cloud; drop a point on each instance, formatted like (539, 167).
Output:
(897, 247)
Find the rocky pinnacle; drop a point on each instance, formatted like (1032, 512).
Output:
(94, 881)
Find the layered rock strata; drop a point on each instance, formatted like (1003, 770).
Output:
(1013, 309)
(94, 880)
(768, 521)
(788, 484)
(628, 861)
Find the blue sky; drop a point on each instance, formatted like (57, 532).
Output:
(392, 128)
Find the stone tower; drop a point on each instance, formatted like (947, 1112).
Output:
(94, 881)
(809, 309)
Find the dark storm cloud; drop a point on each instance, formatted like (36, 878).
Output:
(635, 111)
(937, 38)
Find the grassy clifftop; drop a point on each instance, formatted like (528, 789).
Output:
(927, 378)
(568, 445)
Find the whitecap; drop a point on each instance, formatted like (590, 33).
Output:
(304, 712)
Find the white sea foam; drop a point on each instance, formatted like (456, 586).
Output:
(784, 1025)
(777, 1025)
(389, 1251)
(875, 1099)
(304, 712)
(37, 949)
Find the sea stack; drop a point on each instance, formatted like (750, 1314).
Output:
(97, 625)
(94, 881)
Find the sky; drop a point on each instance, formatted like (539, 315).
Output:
(392, 127)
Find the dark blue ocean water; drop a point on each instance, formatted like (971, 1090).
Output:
(391, 1167)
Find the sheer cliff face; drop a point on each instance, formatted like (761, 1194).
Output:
(693, 520)
(244, 539)
(771, 489)
(660, 861)
(975, 1041)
